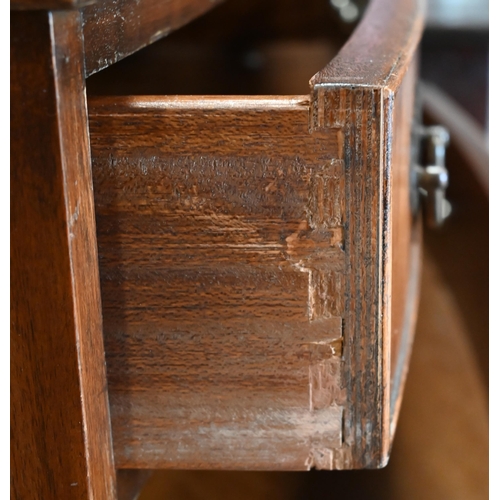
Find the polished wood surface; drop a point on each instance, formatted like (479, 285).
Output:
(61, 441)
(381, 48)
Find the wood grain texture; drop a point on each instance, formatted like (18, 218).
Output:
(441, 445)
(222, 273)
(380, 50)
(356, 93)
(359, 113)
(246, 251)
(114, 29)
(61, 440)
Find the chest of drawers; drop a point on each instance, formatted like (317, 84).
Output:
(258, 256)
(258, 260)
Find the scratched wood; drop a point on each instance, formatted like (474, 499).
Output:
(248, 251)
(114, 29)
(358, 113)
(356, 91)
(222, 272)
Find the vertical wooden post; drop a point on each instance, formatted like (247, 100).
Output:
(61, 437)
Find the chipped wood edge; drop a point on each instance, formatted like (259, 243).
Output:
(360, 113)
(365, 76)
(357, 97)
(325, 211)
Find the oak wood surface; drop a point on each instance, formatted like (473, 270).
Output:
(358, 112)
(220, 256)
(114, 29)
(60, 428)
(381, 48)
(440, 449)
(356, 91)
(211, 211)
(332, 219)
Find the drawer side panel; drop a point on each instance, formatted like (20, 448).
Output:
(222, 264)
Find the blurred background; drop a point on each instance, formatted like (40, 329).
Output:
(441, 445)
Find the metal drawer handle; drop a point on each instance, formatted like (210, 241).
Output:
(432, 179)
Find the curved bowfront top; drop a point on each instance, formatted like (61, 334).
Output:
(379, 50)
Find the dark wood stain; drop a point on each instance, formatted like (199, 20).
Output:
(114, 29)
(248, 250)
(356, 92)
(222, 276)
(61, 439)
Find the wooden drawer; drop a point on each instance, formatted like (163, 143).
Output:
(259, 263)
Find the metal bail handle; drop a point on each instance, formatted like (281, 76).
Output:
(432, 179)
